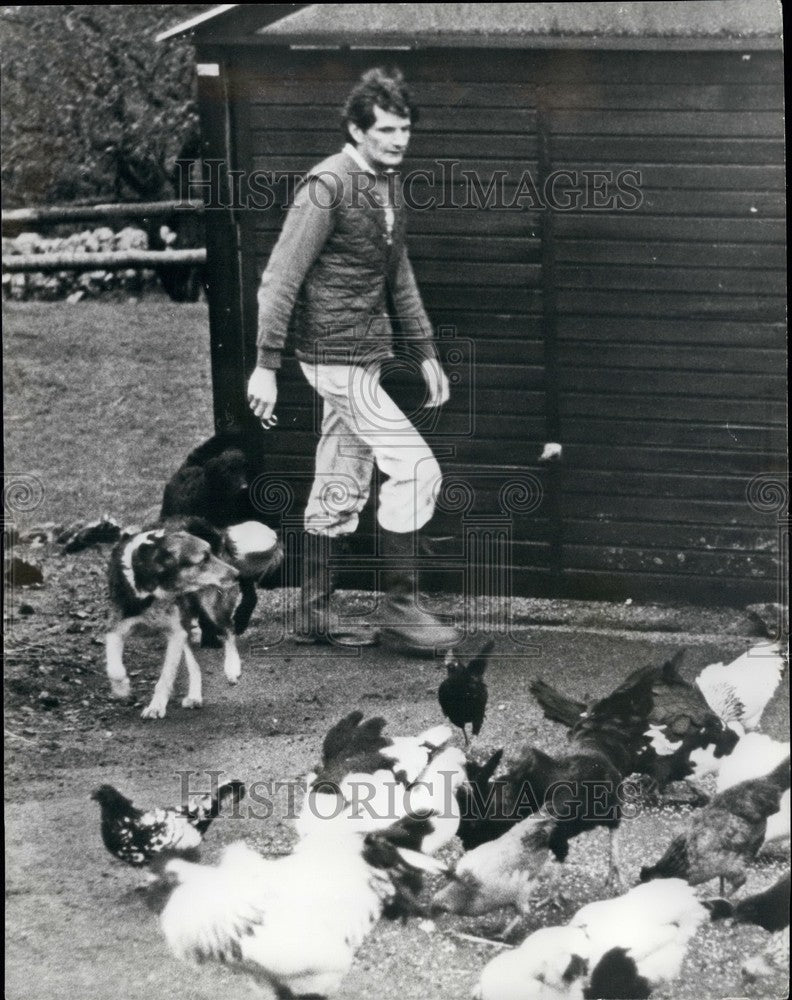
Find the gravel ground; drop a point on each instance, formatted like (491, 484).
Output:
(77, 928)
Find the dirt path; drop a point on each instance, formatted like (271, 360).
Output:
(76, 927)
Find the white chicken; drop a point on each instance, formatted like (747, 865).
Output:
(500, 872)
(630, 943)
(293, 922)
(382, 779)
(740, 691)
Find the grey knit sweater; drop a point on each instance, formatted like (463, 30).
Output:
(335, 270)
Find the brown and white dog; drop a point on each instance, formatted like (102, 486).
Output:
(164, 578)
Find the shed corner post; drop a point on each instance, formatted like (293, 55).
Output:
(223, 265)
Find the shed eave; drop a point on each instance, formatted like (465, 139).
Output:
(184, 26)
(345, 40)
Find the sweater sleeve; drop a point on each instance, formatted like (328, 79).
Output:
(306, 229)
(413, 321)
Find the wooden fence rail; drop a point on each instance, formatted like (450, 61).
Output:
(114, 260)
(77, 213)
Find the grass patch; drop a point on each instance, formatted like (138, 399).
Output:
(102, 401)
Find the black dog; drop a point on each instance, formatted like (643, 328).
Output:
(213, 484)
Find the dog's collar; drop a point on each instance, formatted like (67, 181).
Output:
(126, 561)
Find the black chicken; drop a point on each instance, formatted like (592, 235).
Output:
(580, 790)
(678, 721)
(725, 834)
(768, 909)
(463, 694)
(136, 836)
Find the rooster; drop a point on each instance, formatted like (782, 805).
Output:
(463, 694)
(614, 948)
(136, 836)
(294, 923)
(580, 790)
(725, 834)
(678, 720)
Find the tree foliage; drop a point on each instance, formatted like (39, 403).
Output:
(92, 107)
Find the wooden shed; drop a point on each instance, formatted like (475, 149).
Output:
(597, 228)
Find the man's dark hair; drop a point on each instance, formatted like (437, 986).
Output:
(384, 88)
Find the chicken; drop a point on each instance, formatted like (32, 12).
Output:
(136, 836)
(614, 948)
(502, 872)
(580, 790)
(768, 909)
(294, 922)
(741, 690)
(463, 694)
(374, 774)
(677, 721)
(754, 756)
(724, 835)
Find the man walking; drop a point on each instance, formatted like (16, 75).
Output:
(341, 253)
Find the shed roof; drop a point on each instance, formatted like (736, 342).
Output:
(683, 23)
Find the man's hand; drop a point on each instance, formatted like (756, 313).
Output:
(436, 382)
(262, 392)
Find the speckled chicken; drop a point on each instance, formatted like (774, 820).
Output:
(136, 836)
(723, 836)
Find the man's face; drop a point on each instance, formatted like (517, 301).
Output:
(383, 144)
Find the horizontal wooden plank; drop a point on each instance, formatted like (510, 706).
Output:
(457, 247)
(765, 204)
(685, 537)
(706, 589)
(656, 175)
(651, 277)
(584, 149)
(704, 331)
(704, 124)
(518, 120)
(731, 385)
(588, 68)
(707, 514)
(679, 486)
(481, 275)
(653, 459)
(636, 225)
(616, 559)
(646, 96)
(755, 309)
(579, 402)
(446, 296)
(669, 96)
(583, 354)
(674, 434)
(662, 254)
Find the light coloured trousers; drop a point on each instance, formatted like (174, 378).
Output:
(361, 427)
